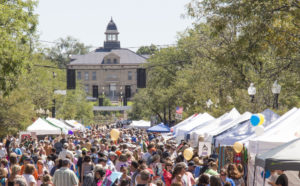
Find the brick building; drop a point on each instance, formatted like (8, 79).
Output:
(109, 70)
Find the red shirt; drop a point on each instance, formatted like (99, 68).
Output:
(167, 177)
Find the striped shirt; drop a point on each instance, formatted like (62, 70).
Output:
(65, 177)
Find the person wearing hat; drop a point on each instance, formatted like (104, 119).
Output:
(3, 151)
(65, 152)
(191, 167)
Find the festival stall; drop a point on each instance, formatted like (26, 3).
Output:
(141, 124)
(75, 125)
(243, 130)
(60, 124)
(43, 127)
(189, 119)
(202, 120)
(283, 130)
(215, 127)
(188, 122)
(283, 157)
(160, 128)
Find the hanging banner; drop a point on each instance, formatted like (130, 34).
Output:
(204, 148)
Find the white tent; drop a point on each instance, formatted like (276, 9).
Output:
(201, 120)
(215, 127)
(141, 124)
(280, 131)
(42, 127)
(284, 129)
(60, 124)
(75, 125)
(243, 130)
(185, 122)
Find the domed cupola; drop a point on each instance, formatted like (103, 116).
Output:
(111, 33)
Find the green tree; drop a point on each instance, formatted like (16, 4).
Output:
(63, 50)
(147, 50)
(17, 27)
(75, 106)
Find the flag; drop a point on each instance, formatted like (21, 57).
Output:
(179, 110)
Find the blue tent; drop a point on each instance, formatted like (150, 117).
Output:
(159, 128)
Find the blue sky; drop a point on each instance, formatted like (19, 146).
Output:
(140, 22)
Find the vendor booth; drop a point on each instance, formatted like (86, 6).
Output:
(141, 124)
(284, 157)
(202, 120)
(160, 128)
(43, 127)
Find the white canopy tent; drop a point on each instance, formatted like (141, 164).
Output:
(279, 132)
(215, 127)
(60, 124)
(185, 122)
(42, 127)
(243, 130)
(203, 119)
(76, 125)
(141, 124)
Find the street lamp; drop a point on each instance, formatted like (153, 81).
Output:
(276, 91)
(53, 101)
(252, 92)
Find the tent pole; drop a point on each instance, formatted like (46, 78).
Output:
(254, 175)
(264, 177)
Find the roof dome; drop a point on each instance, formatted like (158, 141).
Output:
(111, 25)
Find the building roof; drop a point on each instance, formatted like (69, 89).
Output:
(111, 25)
(96, 57)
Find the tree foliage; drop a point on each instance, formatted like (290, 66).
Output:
(63, 50)
(147, 50)
(17, 27)
(238, 43)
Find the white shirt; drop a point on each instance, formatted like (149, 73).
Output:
(29, 179)
(62, 155)
(3, 152)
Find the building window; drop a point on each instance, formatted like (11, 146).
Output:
(86, 76)
(108, 61)
(86, 88)
(78, 75)
(94, 76)
(129, 75)
(115, 61)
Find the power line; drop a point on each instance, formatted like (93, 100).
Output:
(163, 45)
(131, 68)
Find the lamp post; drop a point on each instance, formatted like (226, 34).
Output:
(276, 88)
(121, 94)
(252, 92)
(54, 101)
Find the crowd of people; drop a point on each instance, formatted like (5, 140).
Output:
(91, 158)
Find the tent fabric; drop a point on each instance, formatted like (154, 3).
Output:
(262, 144)
(283, 157)
(196, 118)
(279, 132)
(162, 128)
(42, 127)
(216, 126)
(244, 130)
(199, 121)
(185, 121)
(76, 125)
(65, 128)
(140, 124)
